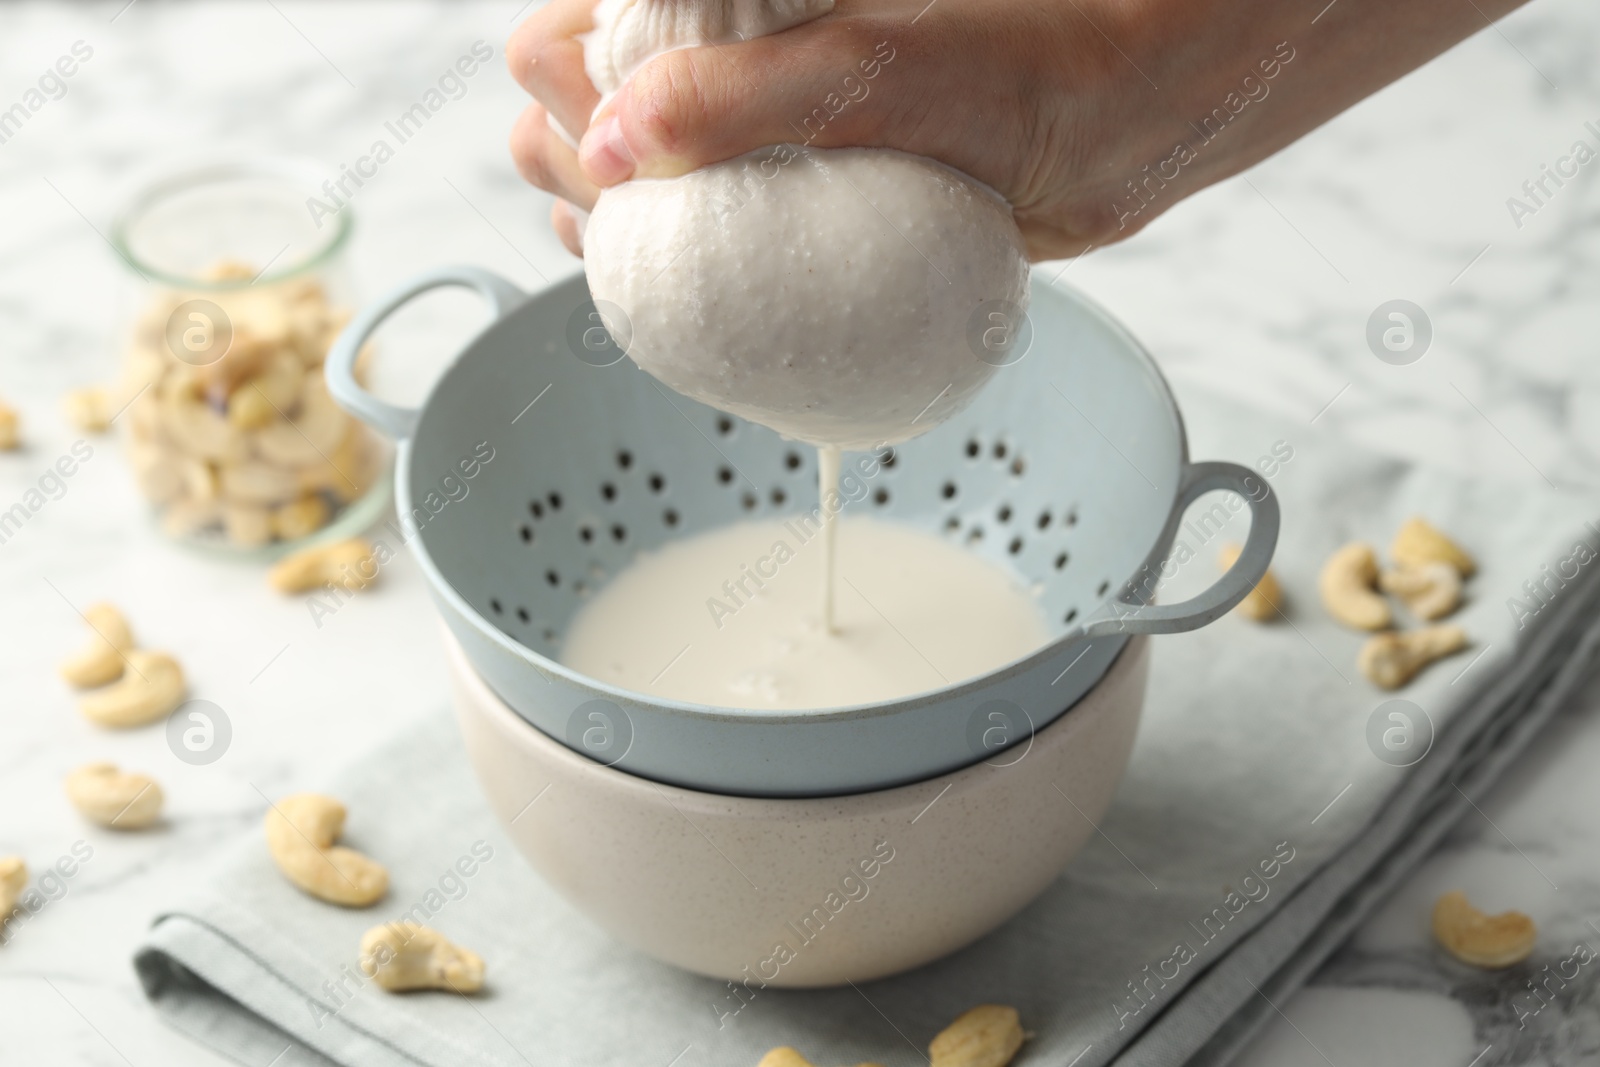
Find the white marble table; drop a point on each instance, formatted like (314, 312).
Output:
(1263, 285)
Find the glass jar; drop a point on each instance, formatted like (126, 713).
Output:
(242, 288)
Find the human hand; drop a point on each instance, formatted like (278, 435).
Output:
(1091, 117)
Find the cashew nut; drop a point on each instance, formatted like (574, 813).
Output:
(348, 471)
(987, 1036)
(151, 687)
(89, 409)
(1417, 543)
(229, 270)
(255, 482)
(13, 876)
(1347, 586)
(249, 408)
(100, 663)
(10, 429)
(110, 797)
(300, 518)
(200, 431)
(1430, 590)
(187, 515)
(406, 955)
(258, 314)
(301, 831)
(788, 1057)
(247, 525)
(346, 564)
(1391, 660)
(155, 469)
(1262, 602)
(259, 400)
(200, 481)
(309, 436)
(1488, 941)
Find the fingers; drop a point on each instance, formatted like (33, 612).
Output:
(828, 83)
(546, 58)
(545, 160)
(566, 226)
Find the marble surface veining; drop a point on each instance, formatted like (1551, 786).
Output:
(1261, 286)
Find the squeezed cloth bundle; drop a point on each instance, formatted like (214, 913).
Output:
(1261, 818)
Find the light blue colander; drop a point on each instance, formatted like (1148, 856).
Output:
(1071, 468)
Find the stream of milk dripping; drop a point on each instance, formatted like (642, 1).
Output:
(827, 481)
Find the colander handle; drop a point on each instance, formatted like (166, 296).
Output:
(340, 367)
(1130, 616)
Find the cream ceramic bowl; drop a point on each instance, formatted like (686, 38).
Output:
(805, 891)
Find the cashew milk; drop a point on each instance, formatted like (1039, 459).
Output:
(731, 617)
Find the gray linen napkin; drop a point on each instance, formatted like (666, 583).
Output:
(1255, 828)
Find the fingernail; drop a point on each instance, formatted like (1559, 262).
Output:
(604, 154)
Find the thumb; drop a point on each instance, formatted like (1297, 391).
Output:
(828, 83)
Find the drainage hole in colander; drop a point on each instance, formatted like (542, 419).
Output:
(1070, 518)
(973, 448)
(624, 459)
(522, 614)
(1017, 466)
(619, 534)
(555, 501)
(553, 578)
(778, 497)
(669, 517)
(1105, 587)
(536, 509)
(975, 535)
(586, 534)
(949, 490)
(608, 492)
(657, 483)
(890, 458)
(999, 450)
(527, 534)
(724, 425)
(1015, 546)
(1061, 561)
(1004, 514)
(724, 475)
(792, 460)
(880, 497)
(1044, 519)
(748, 501)
(952, 524)
(494, 606)
(1073, 614)
(549, 636)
